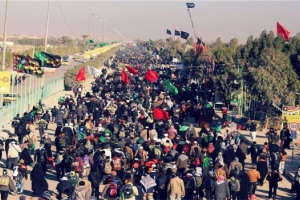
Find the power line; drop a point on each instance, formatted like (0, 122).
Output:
(65, 19)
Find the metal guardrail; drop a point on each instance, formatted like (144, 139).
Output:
(27, 101)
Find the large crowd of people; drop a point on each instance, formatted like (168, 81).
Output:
(112, 136)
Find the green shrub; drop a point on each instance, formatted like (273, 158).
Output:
(97, 62)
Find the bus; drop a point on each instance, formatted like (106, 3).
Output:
(65, 60)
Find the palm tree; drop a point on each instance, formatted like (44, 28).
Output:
(84, 37)
(64, 40)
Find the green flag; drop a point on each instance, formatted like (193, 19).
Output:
(107, 131)
(41, 57)
(170, 87)
(90, 41)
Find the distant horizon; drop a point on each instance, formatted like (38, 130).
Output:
(150, 19)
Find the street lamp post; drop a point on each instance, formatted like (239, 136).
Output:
(4, 38)
(47, 26)
(90, 9)
(95, 14)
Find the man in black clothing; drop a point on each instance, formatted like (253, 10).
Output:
(40, 156)
(15, 123)
(46, 117)
(54, 112)
(254, 151)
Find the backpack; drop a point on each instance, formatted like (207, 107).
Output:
(256, 149)
(73, 179)
(4, 181)
(59, 158)
(30, 141)
(127, 191)
(107, 168)
(89, 145)
(198, 180)
(157, 152)
(112, 191)
(196, 160)
(78, 165)
(47, 141)
(20, 130)
(117, 164)
(62, 142)
(161, 182)
(233, 185)
(127, 155)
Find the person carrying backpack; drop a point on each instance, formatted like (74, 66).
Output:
(60, 142)
(161, 187)
(21, 174)
(111, 189)
(129, 191)
(234, 187)
(81, 192)
(6, 185)
(30, 139)
(73, 178)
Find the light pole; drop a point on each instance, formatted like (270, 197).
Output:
(47, 26)
(95, 14)
(4, 38)
(90, 9)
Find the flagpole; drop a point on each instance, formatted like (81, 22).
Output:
(174, 35)
(192, 23)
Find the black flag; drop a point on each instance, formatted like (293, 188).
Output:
(179, 53)
(169, 32)
(190, 5)
(184, 35)
(199, 41)
(177, 33)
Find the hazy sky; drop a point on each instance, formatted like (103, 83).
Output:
(150, 19)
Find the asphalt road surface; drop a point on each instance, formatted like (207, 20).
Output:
(22, 89)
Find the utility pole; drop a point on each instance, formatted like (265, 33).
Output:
(47, 26)
(4, 38)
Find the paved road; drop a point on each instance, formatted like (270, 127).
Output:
(59, 73)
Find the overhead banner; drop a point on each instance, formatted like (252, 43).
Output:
(291, 114)
(4, 82)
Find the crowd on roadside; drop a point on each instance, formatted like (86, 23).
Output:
(137, 137)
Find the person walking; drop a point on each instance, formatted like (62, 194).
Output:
(234, 187)
(253, 127)
(254, 176)
(273, 177)
(176, 188)
(6, 185)
(221, 189)
(13, 155)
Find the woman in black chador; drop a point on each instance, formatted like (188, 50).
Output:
(38, 182)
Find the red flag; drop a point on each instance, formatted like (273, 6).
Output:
(124, 77)
(160, 114)
(132, 70)
(151, 76)
(283, 32)
(81, 75)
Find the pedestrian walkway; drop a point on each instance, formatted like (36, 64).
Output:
(262, 191)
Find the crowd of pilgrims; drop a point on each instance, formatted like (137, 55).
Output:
(109, 136)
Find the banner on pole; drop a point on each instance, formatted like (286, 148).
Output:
(4, 82)
(49, 71)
